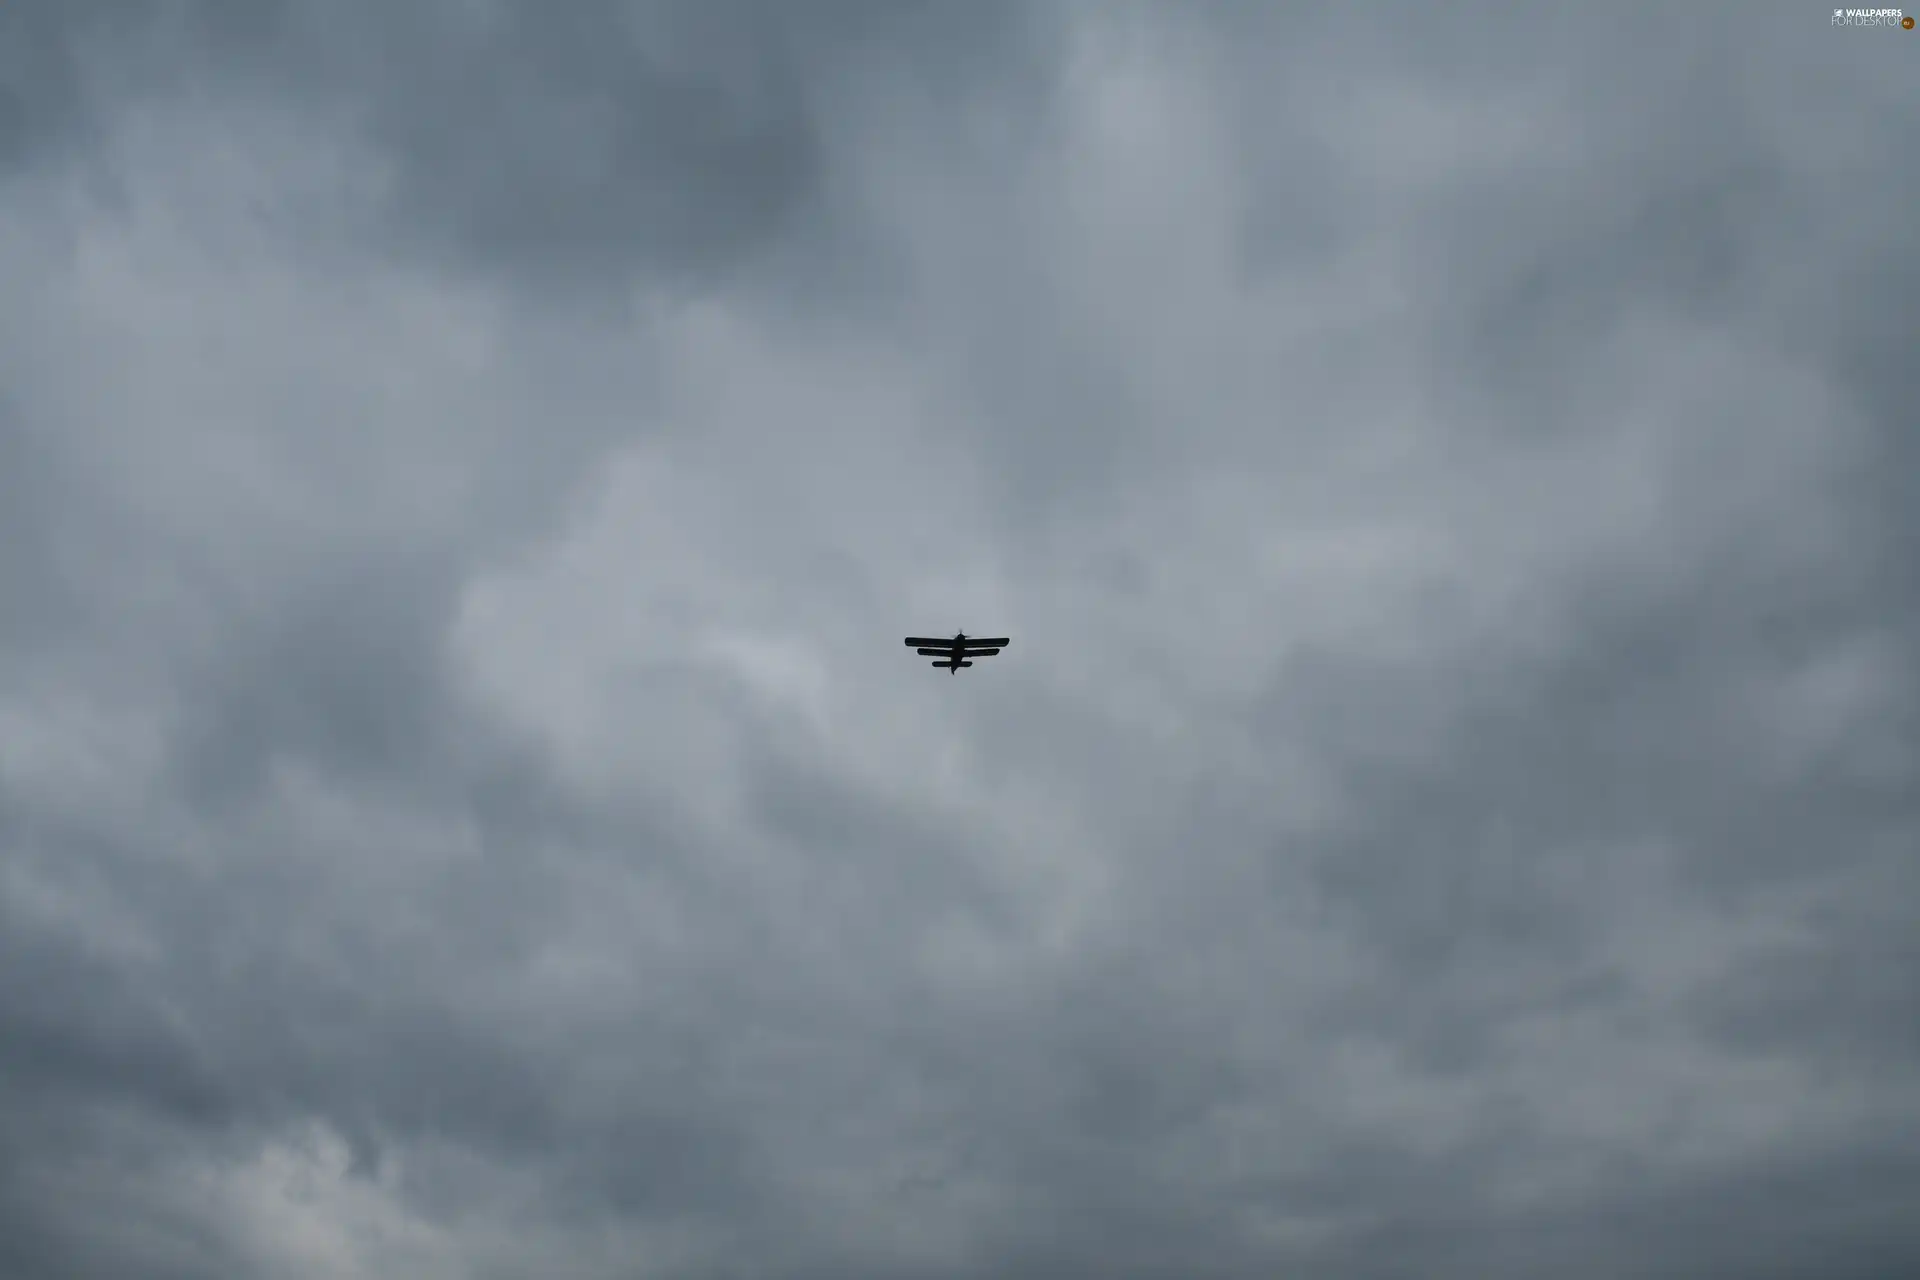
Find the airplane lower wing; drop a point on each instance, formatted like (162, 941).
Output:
(972, 652)
(932, 653)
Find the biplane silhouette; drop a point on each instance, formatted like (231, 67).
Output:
(955, 653)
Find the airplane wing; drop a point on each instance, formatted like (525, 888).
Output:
(986, 644)
(933, 653)
(971, 652)
(923, 642)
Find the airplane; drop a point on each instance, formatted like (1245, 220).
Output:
(956, 651)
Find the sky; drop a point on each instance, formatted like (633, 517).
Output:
(1451, 804)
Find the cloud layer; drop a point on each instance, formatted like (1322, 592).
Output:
(1449, 807)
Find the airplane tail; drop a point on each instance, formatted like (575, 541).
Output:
(950, 666)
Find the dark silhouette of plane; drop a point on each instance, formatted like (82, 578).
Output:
(956, 651)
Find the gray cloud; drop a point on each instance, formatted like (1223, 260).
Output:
(464, 811)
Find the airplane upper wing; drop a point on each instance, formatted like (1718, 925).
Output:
(934, 646)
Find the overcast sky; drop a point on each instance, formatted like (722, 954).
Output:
(1451, 805)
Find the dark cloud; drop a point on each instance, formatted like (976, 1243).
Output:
(464, 810)
(41, 97)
